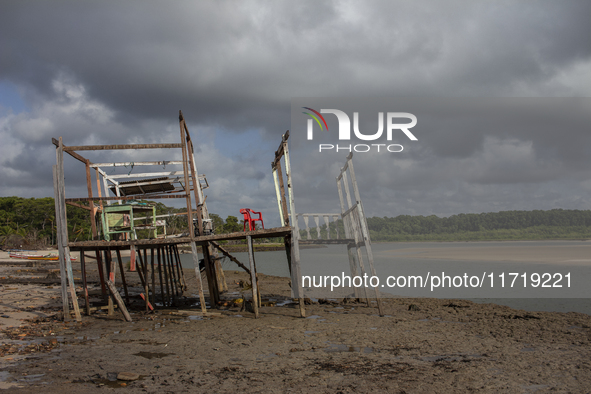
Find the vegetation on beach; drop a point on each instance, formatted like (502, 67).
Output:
(30, 222)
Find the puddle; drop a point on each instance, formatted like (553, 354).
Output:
(237, 315)
(285, 302)
(32, 378)
(195, 318)
(311, 332)
(333, 348)
(314, 317)
(151, 355)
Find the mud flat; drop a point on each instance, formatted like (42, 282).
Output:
(420, 346)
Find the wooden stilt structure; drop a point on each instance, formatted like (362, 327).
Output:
(119, 230)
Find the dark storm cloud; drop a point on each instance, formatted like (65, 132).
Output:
(110, 71)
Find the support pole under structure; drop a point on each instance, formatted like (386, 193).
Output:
(296, 276)
(190, 214)
(62, 235)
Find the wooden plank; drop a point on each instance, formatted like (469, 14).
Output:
(119, 300)
(253, 278)
(60, 245)
(71, 285)
(228, 255)
(73, 154)
(84, 282)
(125, 198)
(138, 163)
(122, 270)
(295, 260)
(198, 275)
(122, 146)
(91, 203)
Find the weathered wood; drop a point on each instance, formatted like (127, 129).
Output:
(153, 276)
(119, 300)
(253, 277)
(62, 263)
(91, 203)
(278, 194)
(111, 277)
(296, 276)
(198, 275)
(71, 285)
(212, 285)
(354, 226)
(350, 252)
(73, 154)
(364, 229)
(99, 263)
(122, 146)
(285, 210)
(180, 267)
(228, 255)
(80, 206)
(125, 198)
(138, 163)
(84, 282)
(122, 270)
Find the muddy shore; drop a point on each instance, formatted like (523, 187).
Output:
(420, 346)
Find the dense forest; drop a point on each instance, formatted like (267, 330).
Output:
(30, 222)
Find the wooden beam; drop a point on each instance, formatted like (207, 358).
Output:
(73, 154)
(137, 163)
(122, 146)
(228, 255)
(143, 197)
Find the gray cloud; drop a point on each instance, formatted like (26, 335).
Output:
(108, 72)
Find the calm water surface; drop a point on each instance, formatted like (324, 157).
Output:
(333, 260)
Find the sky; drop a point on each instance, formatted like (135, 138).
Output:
(106, 72)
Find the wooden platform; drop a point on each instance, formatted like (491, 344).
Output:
(93, 245)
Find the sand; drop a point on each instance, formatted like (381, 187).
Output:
(420, 346)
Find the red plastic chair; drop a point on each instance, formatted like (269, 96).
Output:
(250, 220)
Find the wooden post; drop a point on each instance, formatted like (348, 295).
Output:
(180, 267)
(122, 270)
(110, 278)
(153, 276)
(119, 300)
(296, 276)
(253, 276)
(211, 278)
(198, 274)
(168, 296)
(190, 212)
(278, 194)
(99, 263)
(60, 245)
(71, 285)
(91, 203)
(160, 275)
(84, 282)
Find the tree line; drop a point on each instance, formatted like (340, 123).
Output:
(31, 221)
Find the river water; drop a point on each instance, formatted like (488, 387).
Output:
(516, 271)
